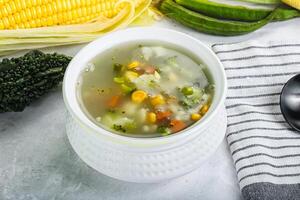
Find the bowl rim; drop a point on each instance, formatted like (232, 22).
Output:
(112, 40)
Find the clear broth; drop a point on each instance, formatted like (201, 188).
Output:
(96, 86)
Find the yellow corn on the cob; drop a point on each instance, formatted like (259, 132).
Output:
(112, 16)
(19, 14)
(293, 3)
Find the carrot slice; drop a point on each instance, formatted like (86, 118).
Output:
(163, 115)
(177, 125)
(114, 101)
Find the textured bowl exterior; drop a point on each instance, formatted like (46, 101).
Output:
(145, 167)
(145, 159)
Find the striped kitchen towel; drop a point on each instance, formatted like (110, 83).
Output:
(265, 151)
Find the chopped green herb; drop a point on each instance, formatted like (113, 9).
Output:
(111, 110)
(119, 128)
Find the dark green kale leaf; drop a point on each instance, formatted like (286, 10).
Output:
(27, 78)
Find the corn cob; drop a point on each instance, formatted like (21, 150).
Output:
(293, 3)
(65, 33)
(20, 14)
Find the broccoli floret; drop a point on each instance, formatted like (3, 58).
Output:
(117, 122)
(192, 99)
(164, 130)
(172, 61)
(123, 125)
(27, 78)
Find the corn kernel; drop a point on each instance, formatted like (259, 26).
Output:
(1, 25)
(17, 18)
(195, 116)
(5, 21)
(133, 65)
(138, 96)
(204, 109)
(13, 7)
(4, 11)
(157, 100)
(151, 117)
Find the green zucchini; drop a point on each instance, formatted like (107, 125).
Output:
(210, 25)
(239, 13)
(285, 12)
(262, 1)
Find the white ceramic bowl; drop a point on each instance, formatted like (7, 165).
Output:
(125, 157)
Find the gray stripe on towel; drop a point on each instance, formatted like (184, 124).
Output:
(269, 191)
(260, 56)
(264, 146)
(257, 128)
(262, 75)
(255, 86)
(255, 47)
(268, 164)
(253, 112)
(267, 155)
(263, 65)
(264, 137)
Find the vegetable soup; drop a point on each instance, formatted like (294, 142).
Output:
(145, 90)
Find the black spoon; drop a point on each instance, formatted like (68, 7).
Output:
(290, 102)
